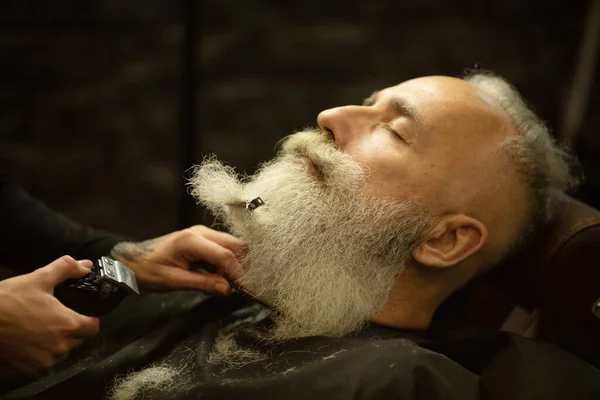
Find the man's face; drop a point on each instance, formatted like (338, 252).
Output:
(429, 137)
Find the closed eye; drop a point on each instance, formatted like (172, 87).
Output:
(394, 132)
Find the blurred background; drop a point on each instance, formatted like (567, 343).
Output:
(104, 104)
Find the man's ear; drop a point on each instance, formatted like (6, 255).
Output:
(453, 239)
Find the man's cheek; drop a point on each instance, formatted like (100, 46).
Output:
(395, 183)
(366, 157)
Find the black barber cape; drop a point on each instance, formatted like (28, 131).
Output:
(179, 329)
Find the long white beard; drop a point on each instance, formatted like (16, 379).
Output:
(321, 251)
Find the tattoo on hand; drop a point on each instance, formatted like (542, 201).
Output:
(131, 251)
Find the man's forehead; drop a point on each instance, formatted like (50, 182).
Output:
(438, 86)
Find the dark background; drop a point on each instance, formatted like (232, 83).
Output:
(105, 103)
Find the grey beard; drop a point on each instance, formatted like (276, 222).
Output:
(321, 251)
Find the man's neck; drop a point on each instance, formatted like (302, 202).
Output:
(415, 297)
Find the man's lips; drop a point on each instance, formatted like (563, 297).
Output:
(307, 162)
(311, 166)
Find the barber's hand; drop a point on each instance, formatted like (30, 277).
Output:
(37, 330)
(164, 263)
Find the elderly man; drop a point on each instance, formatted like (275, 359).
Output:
(353, 236)
(391, 206)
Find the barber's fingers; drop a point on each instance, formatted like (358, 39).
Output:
(83, 326)
(72, 343)
(67, 347)
(62, 269)
(224, 239)
(63, 350)
(196, 247)
(177, 278)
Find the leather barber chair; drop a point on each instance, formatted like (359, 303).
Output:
(550, 291)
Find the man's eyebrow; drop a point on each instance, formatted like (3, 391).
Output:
(400, 106)
(406, 109)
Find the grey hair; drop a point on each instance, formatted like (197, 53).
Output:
(546, 167)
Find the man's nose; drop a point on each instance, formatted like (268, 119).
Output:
(345, 123)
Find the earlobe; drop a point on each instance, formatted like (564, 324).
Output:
(454, 239)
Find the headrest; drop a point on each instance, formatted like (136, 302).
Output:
(559, 271)
(547, 291)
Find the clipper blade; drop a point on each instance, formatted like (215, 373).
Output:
(249, 206)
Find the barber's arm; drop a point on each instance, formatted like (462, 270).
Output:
(165, 263)
(32, 235)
